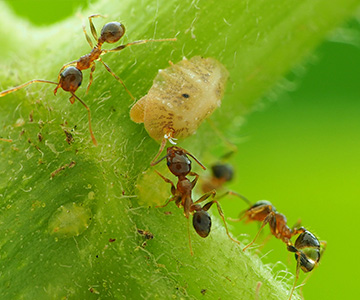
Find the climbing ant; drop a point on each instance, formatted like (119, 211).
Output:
(263, 211)
(70, 75)
(180, 165)
(307, 247)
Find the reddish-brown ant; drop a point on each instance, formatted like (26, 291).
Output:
(180, 165)
(307, 247)
(70, 75)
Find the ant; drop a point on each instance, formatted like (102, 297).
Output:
(70, 75)
(221, 173)
(307, 247)
(180, 165)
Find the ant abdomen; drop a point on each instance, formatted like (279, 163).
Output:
(70, 79)
(202, 223)
(112, 32)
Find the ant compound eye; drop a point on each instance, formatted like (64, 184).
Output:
(112, 32)
(70, 79)
(202, 223)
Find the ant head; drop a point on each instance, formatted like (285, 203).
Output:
(223, 171)
(112, 32)
(70, 79)
(202, 223)
(309, 248)
(177, 161)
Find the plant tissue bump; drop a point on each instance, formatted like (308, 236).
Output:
(181, 97)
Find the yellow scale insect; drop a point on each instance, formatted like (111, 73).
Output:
(181, 97)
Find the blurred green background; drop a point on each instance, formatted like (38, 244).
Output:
(299, 151)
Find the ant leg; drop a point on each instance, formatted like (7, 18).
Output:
(166, 203)
(266, 220)
(297, 275)
(121, 47)
(205, 196)
(117, 78)
(257, 290)
(173, 189)
(323, 245)
(193, 183)
(92, 27)
(88, 39)
(91, 78)
(6, 140)
(162, 146)
(89, 117)
(14, 89)
(194, 158)
(237, 195)
(207, 206)
(188, 227)
(168, 136)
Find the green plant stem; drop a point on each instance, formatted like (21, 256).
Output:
(70, 213)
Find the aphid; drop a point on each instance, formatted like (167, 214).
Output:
(70, 75)
(181, 97)
(180, 165)
(307, 247)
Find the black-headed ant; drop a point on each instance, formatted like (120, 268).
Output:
(180, 165)
(70, 75)
(221, 173)
(307, 247)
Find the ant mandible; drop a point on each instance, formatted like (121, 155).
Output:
(180, 165)
(307, 247)
(70, 75)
